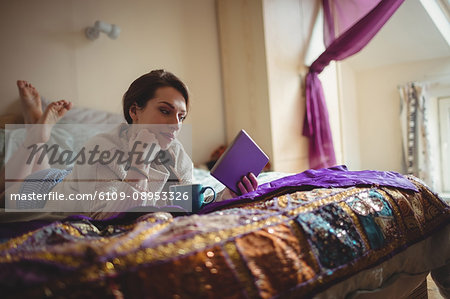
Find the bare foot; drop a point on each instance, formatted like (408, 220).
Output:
(31, 102)
(41, 131)
(54, 112)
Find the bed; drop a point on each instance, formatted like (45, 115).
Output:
(329, 233)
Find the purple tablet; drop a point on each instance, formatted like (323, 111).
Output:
(241, 157)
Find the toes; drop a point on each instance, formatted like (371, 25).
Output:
(22, 84)
(60, 107)
(52, 104)
(57, 105)
(66, 104)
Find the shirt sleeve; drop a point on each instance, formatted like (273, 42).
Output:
(127, 194)
(132, 195)
(185, 167)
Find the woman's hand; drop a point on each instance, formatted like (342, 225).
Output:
(143, 148)
(247, 184)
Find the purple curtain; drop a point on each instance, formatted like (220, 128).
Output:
(349, 25)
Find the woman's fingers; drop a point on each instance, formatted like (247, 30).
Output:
(253, 180)
(247, 184)
(242, 188)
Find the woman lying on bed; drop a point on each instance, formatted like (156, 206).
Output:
(155, 106)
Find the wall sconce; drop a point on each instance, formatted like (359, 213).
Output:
(111, 30)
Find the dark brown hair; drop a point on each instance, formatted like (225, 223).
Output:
(143, 90)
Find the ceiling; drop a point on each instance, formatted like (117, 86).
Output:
(410, 35)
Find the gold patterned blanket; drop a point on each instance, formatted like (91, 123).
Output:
(294, 244)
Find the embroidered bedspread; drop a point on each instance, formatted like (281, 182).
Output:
(286, 242)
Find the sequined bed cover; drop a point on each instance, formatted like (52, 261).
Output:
(286, 243)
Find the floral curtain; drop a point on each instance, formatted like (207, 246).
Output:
(349, 26)
(414, 118)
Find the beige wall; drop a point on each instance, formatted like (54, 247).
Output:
(263, 44)
(350, 140)
(246, 99)
(43, 42)
(330, 85)
(378, 108)
(287, 26)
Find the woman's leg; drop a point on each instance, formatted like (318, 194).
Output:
(20, 165)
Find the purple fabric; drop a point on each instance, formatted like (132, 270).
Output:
(340, 15)
(358, 36)
(13, 229)
(335, 177)
(316, 126)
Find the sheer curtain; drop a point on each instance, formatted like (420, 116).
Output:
(416, 136)
(349, 25)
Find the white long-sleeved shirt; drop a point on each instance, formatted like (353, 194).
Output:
(107, 179)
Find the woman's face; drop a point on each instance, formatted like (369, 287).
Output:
(165, 111)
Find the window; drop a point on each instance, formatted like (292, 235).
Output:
(444, 138)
